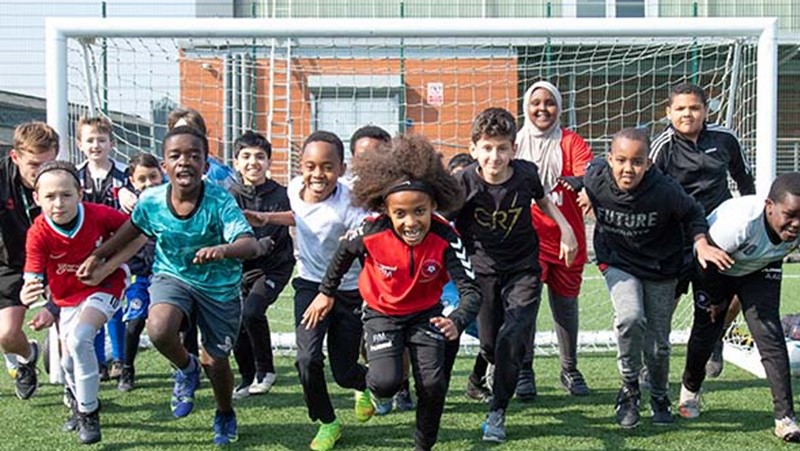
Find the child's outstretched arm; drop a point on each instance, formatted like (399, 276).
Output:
(569, 244)
(126, 234)
(244, 247)
(101, 270)
(262, 218)
(694, 221)
(461, 272)
(350, 247)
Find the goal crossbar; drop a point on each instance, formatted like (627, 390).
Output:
(59, 30)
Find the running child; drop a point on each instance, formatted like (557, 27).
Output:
(101, 178)
(145, 172)
(408, 251)
(323, 213)
(200, 234)
(639, 248)
(757, 234)
(35, 143)
(58, 242)
(700, 156)
(265, 277)
(497, 229)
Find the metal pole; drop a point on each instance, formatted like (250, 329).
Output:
(767, 107)
(227, 112)
(55, 62)
(104, 65)
(402, 99)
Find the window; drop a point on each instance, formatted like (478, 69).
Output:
(343, 104)
(610, 8)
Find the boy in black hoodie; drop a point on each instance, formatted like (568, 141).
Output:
(264, 277)
(638, 246)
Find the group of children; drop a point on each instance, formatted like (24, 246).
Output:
(375, 251)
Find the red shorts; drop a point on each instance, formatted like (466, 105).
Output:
(562, 280)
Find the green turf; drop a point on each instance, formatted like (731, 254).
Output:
(737, 413)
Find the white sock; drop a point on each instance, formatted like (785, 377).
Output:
(87, 380)
(24, 360)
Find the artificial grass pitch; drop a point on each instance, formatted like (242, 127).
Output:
(737, 415)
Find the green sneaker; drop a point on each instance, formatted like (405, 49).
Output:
(327, 436)
(364, 407)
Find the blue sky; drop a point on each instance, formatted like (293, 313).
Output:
(22, 66)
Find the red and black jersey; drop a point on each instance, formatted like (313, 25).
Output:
(57, 254)
(398, 279)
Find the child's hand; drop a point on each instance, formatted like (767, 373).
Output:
(317, 311)
(87, 268)
(127, 199)
(98, 275)
(446, 326)
(585, 203)
(42, 320)
(32, 290)
(569, 247)
(706, 253)
(209, 254)
(256, 218)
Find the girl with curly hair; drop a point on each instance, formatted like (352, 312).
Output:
(409, 253)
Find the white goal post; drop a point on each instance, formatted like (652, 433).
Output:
(430, 76)
(59, 30)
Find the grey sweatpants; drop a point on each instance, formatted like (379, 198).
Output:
(642, 314)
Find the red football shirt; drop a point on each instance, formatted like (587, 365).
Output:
(57, 254)
(576, 154)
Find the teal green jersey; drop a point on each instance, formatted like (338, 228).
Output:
(215, 220)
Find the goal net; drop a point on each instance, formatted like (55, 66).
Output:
(288, 79)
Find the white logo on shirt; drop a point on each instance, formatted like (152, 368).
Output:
(386, 270)
(711, 150)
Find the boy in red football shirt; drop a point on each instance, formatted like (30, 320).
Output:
(59, 240)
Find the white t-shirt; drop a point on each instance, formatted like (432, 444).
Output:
(319, 229)
(737, 226)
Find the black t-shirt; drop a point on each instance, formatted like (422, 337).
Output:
(495, 221)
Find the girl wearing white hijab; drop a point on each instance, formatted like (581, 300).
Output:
(557, 152)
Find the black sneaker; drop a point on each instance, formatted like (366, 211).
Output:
(102, 371)
(662, 411)
(627, 408)
(89, 427)
(126, 379)
(573, 382)
(478, 392)
(26, 381)
(526, 385)
(72, 422)
(715, 362)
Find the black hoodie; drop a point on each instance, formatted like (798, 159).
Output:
(640, 231)
(269, 196)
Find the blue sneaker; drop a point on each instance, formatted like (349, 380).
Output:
(383, 406)
(225, 428)
(183, 393)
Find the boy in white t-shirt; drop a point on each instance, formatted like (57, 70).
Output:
(322, 213)
(757, 234)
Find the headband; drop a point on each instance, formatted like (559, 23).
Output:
(56, 167)
(410, 185)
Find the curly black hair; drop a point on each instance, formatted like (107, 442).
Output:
(411, 158)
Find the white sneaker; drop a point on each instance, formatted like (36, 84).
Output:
(242, 391)
(787, 430)
(689, 405)
(264, 385)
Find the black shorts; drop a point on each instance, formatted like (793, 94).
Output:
(687, 274)
(10, 287)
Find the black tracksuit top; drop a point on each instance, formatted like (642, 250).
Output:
(641, 231)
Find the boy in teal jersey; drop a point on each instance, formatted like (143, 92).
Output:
(201, 235)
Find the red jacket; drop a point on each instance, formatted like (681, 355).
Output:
(400, 280)
(576, 155)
